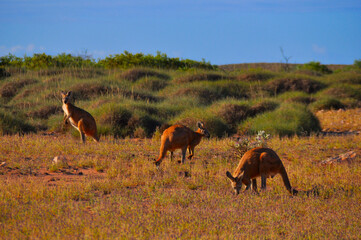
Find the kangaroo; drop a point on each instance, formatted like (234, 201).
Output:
(257, 162)
(79, 118)
(181, 137)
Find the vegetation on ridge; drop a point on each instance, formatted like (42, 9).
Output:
(130, 100)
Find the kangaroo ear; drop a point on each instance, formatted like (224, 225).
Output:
(62, 93)
(200, 125)
(229, 175)
(69, 93)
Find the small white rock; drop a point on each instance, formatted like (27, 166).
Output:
(60, 160)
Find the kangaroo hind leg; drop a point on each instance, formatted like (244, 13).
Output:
(184, 151)
(81, 130)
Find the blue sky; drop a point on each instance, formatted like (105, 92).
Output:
(222, 32)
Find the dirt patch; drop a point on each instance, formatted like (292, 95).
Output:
(53, 178)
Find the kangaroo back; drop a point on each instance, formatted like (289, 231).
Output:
(258, 162)
(181, 137)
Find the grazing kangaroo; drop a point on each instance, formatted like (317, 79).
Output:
(79, 118)
(257, 162)
(181, 137)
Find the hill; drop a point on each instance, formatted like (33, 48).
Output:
(129, 99)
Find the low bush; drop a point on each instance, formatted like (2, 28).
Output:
(216, 126)
(151, 84)
(125, 120)
(119, 123)
(297, 96)
(206, 92)
(307, 72)
(315, 66)
(9, 89)
(349, 77)
(89, 90)
(233, 113)
(357, 63)
(196, 76)
(13, 124)
(342, 91)
(4, 73)
(287, 120)
(261, 107)
(253, 76)
(328, 103)
(144, 121)
(136, 73)
(45, 111)
(297, 83)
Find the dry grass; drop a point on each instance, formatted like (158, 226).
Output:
(9, 89)
(340, 120)
(112, 190)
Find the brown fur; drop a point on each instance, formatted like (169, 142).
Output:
(79, 118)
(258, 162)
(181, 137)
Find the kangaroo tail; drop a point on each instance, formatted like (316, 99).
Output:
(286, 181)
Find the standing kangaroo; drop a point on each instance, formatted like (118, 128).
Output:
(181, 137)
(257, 162)
(79, 118)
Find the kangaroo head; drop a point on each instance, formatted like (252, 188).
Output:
(66, 97)
(236, 182)
(202, 129)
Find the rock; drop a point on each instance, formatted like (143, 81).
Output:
(60, 160)
(345, 157)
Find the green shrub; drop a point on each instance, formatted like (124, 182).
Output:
(233, 111)
(206, 92)
(4, 73)
(357, 63)
(136, 73)
(197, 76)
(124, 60)
(254, 76)
(9, 89)
(144, 121)
(13, 124)
(233, 114)
(341, 91)
(349, 77)
(326, 104)
(216, 126)
(150, 84)
(316, 66)
(287, 120)
(119, 120)
(44, 112)
(297, 97)
(161, 60)
(261, 107)
(293, 83)
(89, 90)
